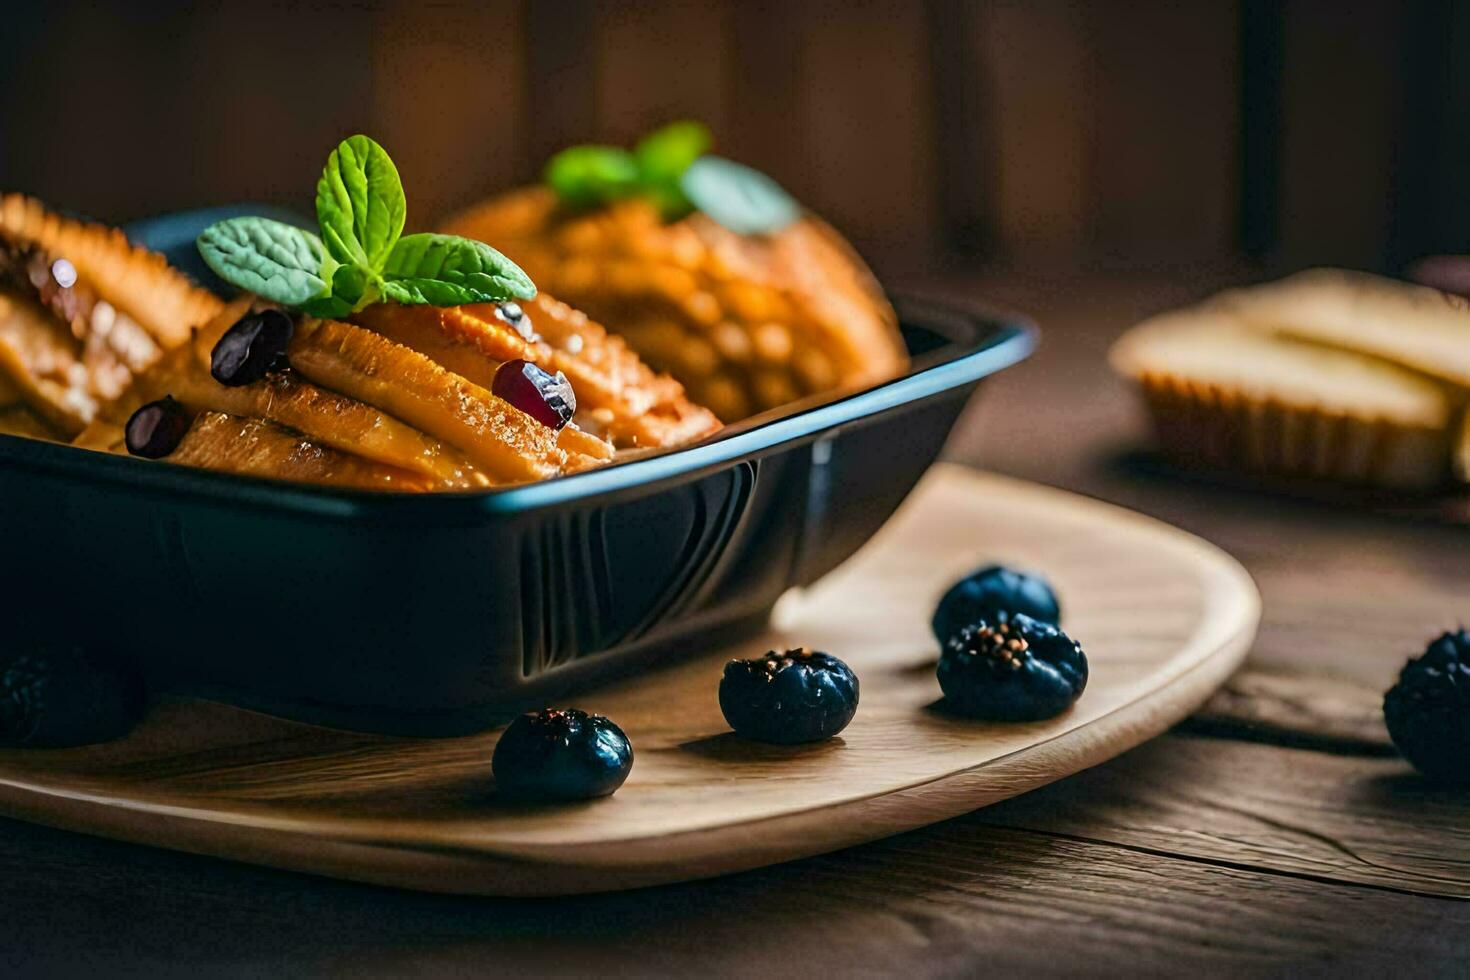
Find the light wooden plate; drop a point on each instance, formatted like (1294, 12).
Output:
(1164, 617)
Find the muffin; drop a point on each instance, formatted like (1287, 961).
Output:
(1331, 374)
(747, 314)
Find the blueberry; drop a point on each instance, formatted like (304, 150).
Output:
(1014, 668)
(561, 754)
(547, 398)
(254, 345)
(1428, 710)
(61, 696)
(156, 429)
(795, 696)
(985, 594)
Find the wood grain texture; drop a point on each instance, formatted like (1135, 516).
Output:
(1305, 711)
(1310, 814)
(946, 901)
(421, 813)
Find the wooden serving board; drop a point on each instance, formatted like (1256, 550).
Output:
(1164, 618)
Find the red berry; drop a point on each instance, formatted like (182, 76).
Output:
(547, 398)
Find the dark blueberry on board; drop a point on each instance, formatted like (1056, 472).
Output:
(789, 697)
(254, 345)
(985, 594)
(1428, 710)
(1014, 668)
(559, 754)
(547, 398)
(156, 429)
(57, 697)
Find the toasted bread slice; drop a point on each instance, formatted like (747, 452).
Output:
(618, 396)
(745, 322)
(110, 310)
(255, 447)
(136, 282)
(326, 418)
(502, 441)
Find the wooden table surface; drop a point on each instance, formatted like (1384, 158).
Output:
(1275, 832)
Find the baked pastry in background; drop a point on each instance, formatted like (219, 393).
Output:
(1328, 374)
(706, 267)
(81, 312)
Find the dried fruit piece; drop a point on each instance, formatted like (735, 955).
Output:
(547, 398)
(250, 348)
(156, 429)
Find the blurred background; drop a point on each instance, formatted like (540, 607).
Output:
(1048, 134)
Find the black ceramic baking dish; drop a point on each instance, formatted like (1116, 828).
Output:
(443, 613)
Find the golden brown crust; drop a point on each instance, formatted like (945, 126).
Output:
(501, 440)
(134, 280)
(618, 396)
(745, 322)
(255, 447)
(109, 308)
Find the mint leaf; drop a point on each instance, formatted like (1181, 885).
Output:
(327, 308)
(664, 154)
(446, 270)
(360, 203)
(274, 260)
(742, 199)
(585, 176)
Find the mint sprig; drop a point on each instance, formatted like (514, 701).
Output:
(361, 256)
(672, 167)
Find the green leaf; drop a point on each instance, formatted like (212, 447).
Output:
(585, 176)
(666, 153)
(327, 307)
(274, 260)
(360, 203)
(742, 199)
(446, 270)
